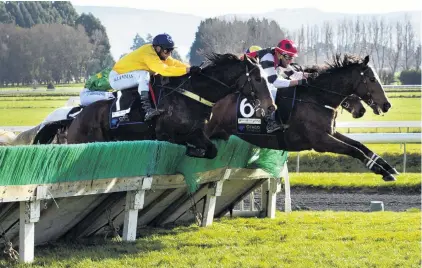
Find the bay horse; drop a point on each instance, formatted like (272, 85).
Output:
(309, 114)
(183, 119)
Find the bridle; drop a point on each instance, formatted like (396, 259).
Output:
(252, 96)
(367, 98)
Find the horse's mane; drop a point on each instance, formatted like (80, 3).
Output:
(213, 58)
(339, 62)
(315, 69)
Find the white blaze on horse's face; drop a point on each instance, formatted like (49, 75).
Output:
(376, 89)
(375, 74)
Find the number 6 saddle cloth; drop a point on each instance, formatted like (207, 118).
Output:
(247, 121)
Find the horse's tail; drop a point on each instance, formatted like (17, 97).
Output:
(47, 134)
(6, 137)
(26, 137)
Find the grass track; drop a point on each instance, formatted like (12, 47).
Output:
(354, 180)
(298, 239)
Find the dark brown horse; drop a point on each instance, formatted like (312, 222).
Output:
(183, 120)
(310, 123)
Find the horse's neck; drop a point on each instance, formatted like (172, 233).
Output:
(328, 94)
(209, 89)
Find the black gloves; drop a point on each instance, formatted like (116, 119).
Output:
(195, 70)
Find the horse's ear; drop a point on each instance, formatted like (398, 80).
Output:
(248, 59)
(366, 60)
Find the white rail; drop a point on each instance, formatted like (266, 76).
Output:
(348, 124)
(375, 124)
(401, 86)
(384, 138)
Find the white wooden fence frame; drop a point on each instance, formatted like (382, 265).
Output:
(30, 196)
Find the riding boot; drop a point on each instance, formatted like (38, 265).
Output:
(272, 124)
(146, 105)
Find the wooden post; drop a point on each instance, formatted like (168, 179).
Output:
(29, 214)
(404, 157)
(242, 206)
(214, 190)
(270, 188)
(252, 200)
(298, 162)
(264, 196)
(275, 187)
(134, 202)
(287, 198)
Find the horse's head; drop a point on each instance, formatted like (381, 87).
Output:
(353, 105)
(361, 79)
(375, 94)
(241, 75)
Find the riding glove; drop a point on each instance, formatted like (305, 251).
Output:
(313, 75)
(303, 82)
(195, 70)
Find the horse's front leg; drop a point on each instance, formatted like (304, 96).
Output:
(199, 145)
(373, 156)
(329, 143)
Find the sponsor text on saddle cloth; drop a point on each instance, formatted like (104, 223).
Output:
(123, 103)
(247, 121)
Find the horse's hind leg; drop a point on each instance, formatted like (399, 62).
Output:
(328, 143)
(373, 156)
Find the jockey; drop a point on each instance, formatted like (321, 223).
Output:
(134, 69)
(252, 49)
(272, 58)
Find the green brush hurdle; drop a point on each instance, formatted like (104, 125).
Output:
(154, 178)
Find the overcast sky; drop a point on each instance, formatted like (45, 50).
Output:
(220, 7)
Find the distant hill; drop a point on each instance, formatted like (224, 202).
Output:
(123, 23)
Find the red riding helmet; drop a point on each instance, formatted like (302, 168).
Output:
(288, 47)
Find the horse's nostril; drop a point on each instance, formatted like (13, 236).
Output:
(386, 106)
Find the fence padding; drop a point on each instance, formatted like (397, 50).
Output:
(39, 164)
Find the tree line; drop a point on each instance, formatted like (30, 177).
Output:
(47, 41)
(221, 36)
(393, 47)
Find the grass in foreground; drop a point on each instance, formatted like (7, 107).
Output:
(354, 180)
(298, 239)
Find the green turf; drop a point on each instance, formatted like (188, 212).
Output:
(30, 104)
(403, 109)
(298, 239)
(410, 181)
(41, 87)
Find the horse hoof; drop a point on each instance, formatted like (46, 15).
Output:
(194, 152)
(393, 171)
(389, 177)
(211, 153)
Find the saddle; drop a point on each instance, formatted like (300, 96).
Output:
(126, 108)
(123, 103)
